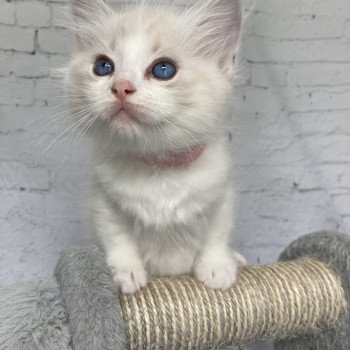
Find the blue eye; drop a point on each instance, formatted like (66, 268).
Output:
(103, 66)
(164, 70)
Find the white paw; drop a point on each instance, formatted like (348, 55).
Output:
(218, 271)
(129, 279)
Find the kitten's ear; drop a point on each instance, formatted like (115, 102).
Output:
(217, 28)
(86, 13)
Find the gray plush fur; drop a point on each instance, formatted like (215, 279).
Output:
(91, 299)
(333, 249)
(33, 317)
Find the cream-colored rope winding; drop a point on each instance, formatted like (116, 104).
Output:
(273, 301)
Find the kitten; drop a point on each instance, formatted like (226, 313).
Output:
(155, 85)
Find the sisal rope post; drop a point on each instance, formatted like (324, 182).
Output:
(274, 301)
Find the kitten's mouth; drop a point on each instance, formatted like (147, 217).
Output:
(124, 115)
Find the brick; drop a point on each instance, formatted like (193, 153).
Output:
(15, 38)
(298, 27)
(326, 177)
(33, 14)
(266, 75)
(27, 205)
(347, 32)
(321, 123)
(19, 119)
(278, 150)
(260, 100)
(10, 145)
(16, 91)
(60, 15)
(342, 204)
(54, 207)
(62, 160)
(317, 99)
(324, 7)
(7, 13)
(30, 66)
(47, 91)
(282, 7)
(284, 149)
(5, 63)
(26, 65)
(21, 176)
(298, 7)
(293, 178)
(25, 146)
(315, 73)
(55, 41)
(280, 178)
(329, 149)
(279, 217)
(259, 141)
(268, 50)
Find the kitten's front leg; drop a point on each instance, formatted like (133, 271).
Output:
(120, 248)
(126, 265)
(216, 264)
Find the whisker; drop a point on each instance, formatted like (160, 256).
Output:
(76, 124)
(61, 122)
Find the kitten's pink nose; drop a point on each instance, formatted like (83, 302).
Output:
(122, 88)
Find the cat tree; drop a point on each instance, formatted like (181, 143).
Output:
(300, 302)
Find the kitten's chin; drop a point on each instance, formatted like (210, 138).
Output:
(125, 124)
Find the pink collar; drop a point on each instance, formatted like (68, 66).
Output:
(172, 159)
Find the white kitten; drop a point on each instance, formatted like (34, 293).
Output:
(154, 85)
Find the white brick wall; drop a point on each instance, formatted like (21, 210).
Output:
(291, 132)
(33, 14)
(17, 38)
(7, 13)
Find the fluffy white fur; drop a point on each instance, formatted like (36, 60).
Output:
(153, 220)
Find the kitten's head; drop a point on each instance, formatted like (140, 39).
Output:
(150, 77)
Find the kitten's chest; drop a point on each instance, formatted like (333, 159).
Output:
(160, 200)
